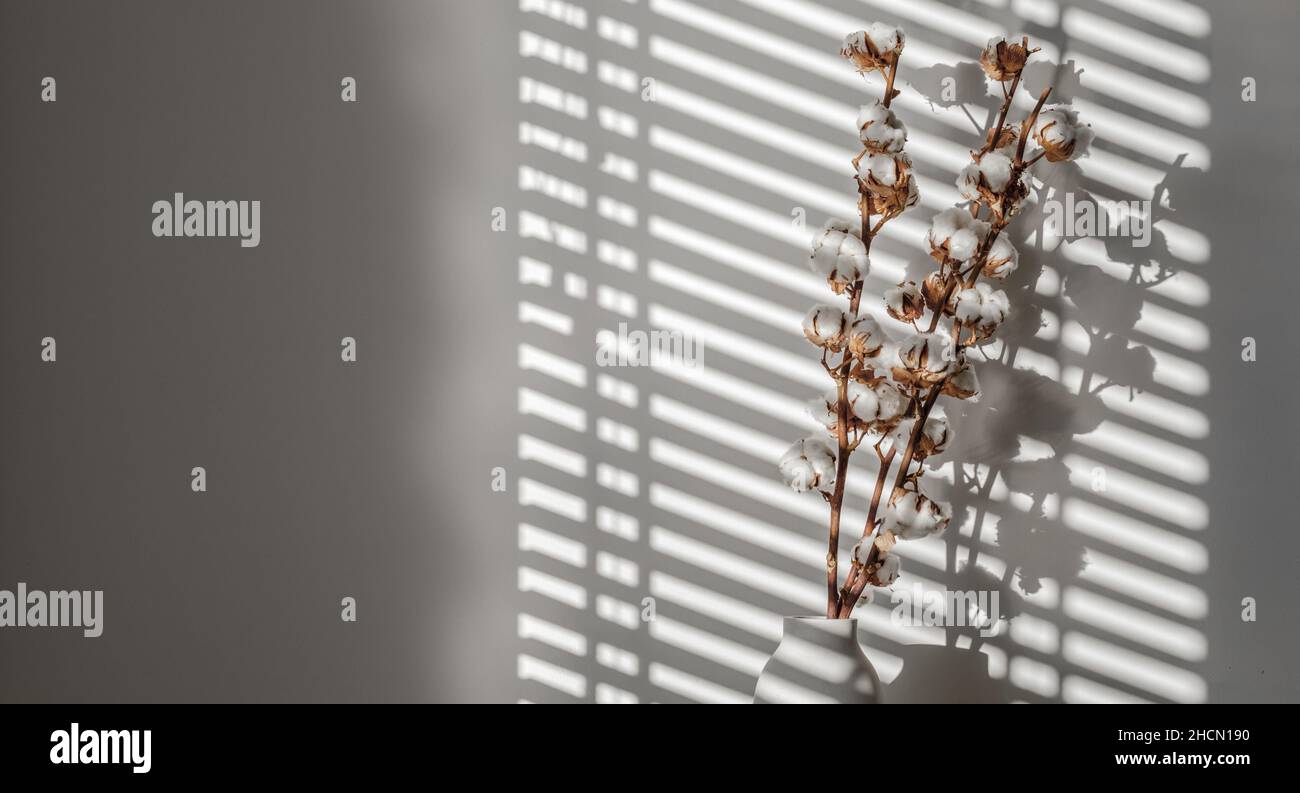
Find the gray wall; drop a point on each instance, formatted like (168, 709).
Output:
(372, 479)
(325, 480)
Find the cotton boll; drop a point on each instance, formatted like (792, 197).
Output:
(880, 131)
(884, 170)
(877, 404)
(935, 288)
(865, 337)
(968, 182)
(1002, 59)
(954, 234)
(935, 434)
(824, 326)
(963, 384)
(838, 253)
(822, 410)
(887, 178)
(984, 181)
(863, 402)
(892, 401)
(887, 358)
(905, 302)
(982, 308)
(874, 48)
(1007, 141)
(911, 515)
(884, 542)
(996, 170)
(887, 37)
(963, 244)
(887, 573)
(967, 305)
(944, 223)
(1059, 133)
(809, 464)
(926, 359)
(1003, 258)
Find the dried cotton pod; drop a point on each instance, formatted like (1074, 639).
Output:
(876, 405)
(886, 180)
(1006, 142)
(1002, 60)
(934, 437)
(886, 572)
(935, 290)
(885, 541)
(955, 236)
(838, 254)
(822, 409)
(880, 130)
(885, 174)
(985, 179)
(809, 464)
(865, 337)
(874, 48)
(963, 384)
(1002, 260)
(824, 326)
(981, 308)
(912, 515)
(892, 203)
(1058, 131)
(925, 359)
(905, 302)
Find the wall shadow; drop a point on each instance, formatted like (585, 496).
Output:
(1076, 480)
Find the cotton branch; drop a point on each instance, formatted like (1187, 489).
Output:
(880, 383)
(843, 412)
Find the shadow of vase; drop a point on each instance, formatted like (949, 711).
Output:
(935, 673)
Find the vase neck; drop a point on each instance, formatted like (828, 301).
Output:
(814, 628)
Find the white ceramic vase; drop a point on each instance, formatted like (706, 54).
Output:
(818, 661)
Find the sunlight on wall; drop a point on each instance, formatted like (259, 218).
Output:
(657, 548)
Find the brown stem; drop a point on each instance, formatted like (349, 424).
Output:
(873, 553)
(864, 207)
(1002, 116)
(841, 466)
(1028, 125)
(837, 500)
(846, 605)
(889, 80)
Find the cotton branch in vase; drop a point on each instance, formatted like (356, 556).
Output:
(885, 388)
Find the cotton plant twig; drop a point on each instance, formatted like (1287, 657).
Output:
(842, 408)
(889, 387)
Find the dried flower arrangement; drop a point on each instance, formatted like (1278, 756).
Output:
(886, 388)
